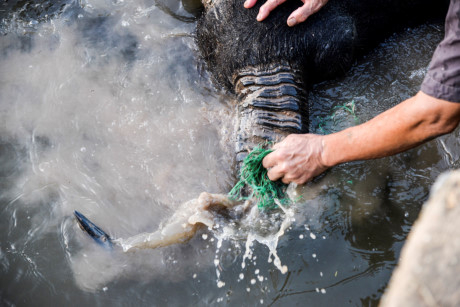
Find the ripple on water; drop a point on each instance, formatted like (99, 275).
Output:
(9, 160)
(105, 111)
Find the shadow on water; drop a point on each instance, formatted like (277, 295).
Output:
(104, 109)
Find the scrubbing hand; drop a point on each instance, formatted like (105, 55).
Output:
(254, 177)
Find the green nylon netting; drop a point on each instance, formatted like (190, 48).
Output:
(254, 177)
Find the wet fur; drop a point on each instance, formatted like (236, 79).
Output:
(230, 38)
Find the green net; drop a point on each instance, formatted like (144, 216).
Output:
(337, 121)
(253, 179)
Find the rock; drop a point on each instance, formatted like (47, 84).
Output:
(428, 273)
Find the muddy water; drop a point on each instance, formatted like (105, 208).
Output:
(105, 108)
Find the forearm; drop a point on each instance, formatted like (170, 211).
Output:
(405, 126)
(300, 157)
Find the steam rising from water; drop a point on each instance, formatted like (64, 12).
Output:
(104, 109)
(104, 112)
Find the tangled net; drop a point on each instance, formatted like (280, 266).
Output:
(254, 177)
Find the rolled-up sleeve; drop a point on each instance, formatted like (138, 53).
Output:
(443, 78)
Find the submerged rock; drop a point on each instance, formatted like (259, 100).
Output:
(429, 270)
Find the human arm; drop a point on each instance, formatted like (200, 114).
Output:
(300, 15)
(301, 157)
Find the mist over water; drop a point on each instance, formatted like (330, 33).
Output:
(105, 108)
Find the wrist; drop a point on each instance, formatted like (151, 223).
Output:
(328, 158)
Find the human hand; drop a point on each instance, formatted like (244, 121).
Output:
(300, 15)
(298, 158)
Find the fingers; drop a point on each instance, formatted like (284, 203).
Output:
(249, 3)
(275, 173)
(302, 13)
(267, 7)
(275, 168)
(278, 172)
(269, 161)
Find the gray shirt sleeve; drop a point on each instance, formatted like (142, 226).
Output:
(443, 78)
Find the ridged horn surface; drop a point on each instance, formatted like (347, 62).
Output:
(271, 105)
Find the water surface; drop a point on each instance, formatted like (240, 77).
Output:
(106, 108)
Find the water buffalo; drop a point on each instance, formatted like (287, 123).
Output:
(269, 65)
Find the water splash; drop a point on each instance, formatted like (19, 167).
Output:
(103, 110)
(271, 241)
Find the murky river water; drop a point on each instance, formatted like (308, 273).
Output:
(105, 108)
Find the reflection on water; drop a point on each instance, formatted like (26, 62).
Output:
(105, 109)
